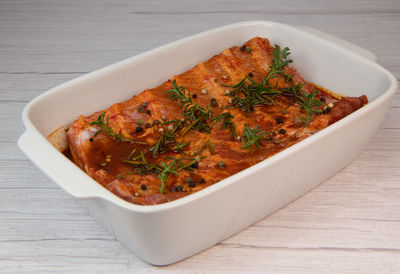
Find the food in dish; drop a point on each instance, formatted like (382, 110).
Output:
(224, 115)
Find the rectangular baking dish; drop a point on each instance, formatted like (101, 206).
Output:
(166, 233)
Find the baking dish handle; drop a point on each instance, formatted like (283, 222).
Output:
(60, 169)
(350, 46)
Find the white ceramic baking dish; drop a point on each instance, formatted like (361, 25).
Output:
(166, 233)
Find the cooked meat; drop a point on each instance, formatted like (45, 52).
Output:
(202, 126)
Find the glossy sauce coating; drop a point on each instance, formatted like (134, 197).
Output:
(103, 158)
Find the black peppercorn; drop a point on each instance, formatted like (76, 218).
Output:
(279, 120)
(214, 102)
(148, 112)
(251, 74)
(179, 188)
(190, 182)
(148, 125)
(194, 95)
(195, 165)
(139, 129)
(202, 181)
(243, 48)
(143, 187)
(282, 131)
(322, 99)
(91, 139)
(326, 110)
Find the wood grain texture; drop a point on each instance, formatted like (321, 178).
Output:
(349, 224)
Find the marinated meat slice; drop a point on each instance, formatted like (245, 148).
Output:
(162, 145)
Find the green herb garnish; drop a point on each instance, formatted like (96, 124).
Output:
(190, 110)
(131, 154)
(143, 167)
(105, 127)
(227, 122)
(252, 137)
(163, 175)
(210, 147)
(279, 62)
(140, 163)
(161, 146)
(174, 167)
(179, 146)
(248, 94)
(310, 104)
(207, 144)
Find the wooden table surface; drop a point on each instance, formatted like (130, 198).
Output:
(349, 224)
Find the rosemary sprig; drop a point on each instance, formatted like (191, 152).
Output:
(248, 93)
(187, 128)
(207, 144)
(227, 122)
(310, 104)
(141, 165)
(166, 139)
(179, 93)
(252, 137)
(190, 110)
(279, 62)
(210, 147)
(163, 175)
(105, 127)
(174, 121)
(174, 167)
(179, 146)
(131, 154)
(293, 90)
(218, 118)
(161, 146)
(188, 166)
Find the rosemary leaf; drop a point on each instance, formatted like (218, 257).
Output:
(105, 127)
(252, 137)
